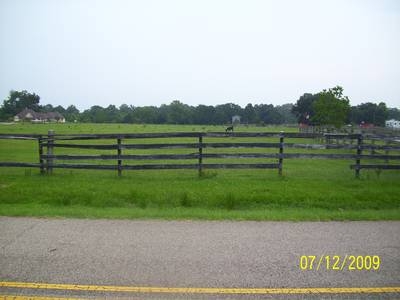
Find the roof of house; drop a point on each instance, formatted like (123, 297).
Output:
(39, 115)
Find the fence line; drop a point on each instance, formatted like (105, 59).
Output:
(48, 160)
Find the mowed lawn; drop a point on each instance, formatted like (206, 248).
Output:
(308, 190)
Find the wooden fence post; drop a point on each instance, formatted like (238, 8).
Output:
(200, 154)
(372, 147)
(281, 140)
(119, 152)
(359, 152)
(327, 139)
(387, 144)
(41, 161)
(50, 151)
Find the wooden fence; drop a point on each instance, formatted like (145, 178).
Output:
(117, 150)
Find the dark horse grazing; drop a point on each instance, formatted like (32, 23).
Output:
(230, 128)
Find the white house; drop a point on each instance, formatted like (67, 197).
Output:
(36, 117)
(393, 124)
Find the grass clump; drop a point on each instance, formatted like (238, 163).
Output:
(184, 200)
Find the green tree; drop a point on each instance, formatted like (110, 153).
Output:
(286, 111)
(72, 114)
(96, 114)
(393, 113)
(17, 101)
(125, 113)
(304, 108)
(204, 114)
(146, 115)
(59, 109)
(112, 114)
(47, 108)
(369, 112)
(331, 108)
(179, 113)
(225, 112)
(249, 114)
(267, 114)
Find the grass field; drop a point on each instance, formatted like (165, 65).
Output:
(308, 189)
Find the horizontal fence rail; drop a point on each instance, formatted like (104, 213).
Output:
(224, 145)
(270, 145)
(219, 155)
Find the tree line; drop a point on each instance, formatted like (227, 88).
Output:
(329, 107)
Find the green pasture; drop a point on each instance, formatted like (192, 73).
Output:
(308, 190)
(90, 128)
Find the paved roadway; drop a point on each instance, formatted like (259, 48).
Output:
(112, 259)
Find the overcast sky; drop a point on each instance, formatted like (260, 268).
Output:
(87, 52)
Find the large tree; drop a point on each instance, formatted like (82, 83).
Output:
(146, 115)
(249, 113)
(393, 113)
(72, 113)
(286, 111)
(96, 114)
(331, 108)
(267, 114)
(225, 112)
(204, 114)
(369, 112)
(17, 101)
(304, 109)
(179, 113)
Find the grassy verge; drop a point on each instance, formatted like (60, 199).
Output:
(182, 213)
(316, 190)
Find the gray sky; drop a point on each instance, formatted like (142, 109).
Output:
(150, 52)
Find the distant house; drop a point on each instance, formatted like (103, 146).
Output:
(365, 125)
(393, 124)
(236, 119)
(38, 117)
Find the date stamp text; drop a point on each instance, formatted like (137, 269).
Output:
(339, 262)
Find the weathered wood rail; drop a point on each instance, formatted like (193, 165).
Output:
(265, 144)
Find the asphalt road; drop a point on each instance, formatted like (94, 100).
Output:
(197, 255)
